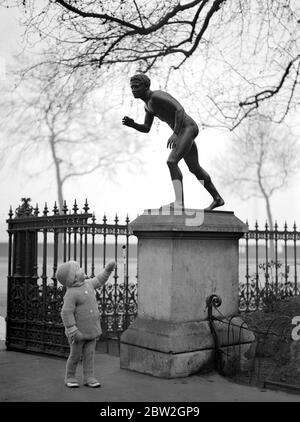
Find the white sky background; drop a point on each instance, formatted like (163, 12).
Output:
(149, 187)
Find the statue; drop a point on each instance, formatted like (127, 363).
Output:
(182, 142)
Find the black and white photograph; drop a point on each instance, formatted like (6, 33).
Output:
(150, 205)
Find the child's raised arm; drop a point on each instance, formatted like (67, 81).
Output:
(102, 278)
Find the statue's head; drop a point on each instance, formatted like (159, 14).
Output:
(139, 84)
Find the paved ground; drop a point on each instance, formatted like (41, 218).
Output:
(34, 378)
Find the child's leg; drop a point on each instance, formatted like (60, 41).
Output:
(73, 360)
(88, 355)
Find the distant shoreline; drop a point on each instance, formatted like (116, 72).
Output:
(110, 250)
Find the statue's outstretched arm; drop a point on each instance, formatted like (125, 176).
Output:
(145, 127)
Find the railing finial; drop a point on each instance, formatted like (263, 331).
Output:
(75, 207)
(45, 212)
(10, 213)
(55, 209)
(86, 206)
(36, 210)
(25, 209)
(65, 208)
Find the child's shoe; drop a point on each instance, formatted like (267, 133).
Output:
(92, 382)
(72, 383)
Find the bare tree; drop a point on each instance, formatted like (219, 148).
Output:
(246, 53)
(53, 125)
(260, 160)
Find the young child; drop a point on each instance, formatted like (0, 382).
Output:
(81, 318)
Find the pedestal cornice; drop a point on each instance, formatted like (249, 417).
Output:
(191, 223)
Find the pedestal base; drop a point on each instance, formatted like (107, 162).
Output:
(164, 365)
(173, 350)
(183, 260)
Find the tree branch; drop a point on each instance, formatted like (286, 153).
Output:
(268, 93)
(139, 13)
(101, 16)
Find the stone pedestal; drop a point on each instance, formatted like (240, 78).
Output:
(182, 260)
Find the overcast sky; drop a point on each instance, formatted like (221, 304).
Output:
(149, 187)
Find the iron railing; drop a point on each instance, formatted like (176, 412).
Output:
(269, 359)
(269, 266)
(40, 241)
(37, 245)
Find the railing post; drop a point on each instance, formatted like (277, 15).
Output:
(267, 262)
(23, 269)
(276, 259)
(247, 268)
(126, 275)
(257, 290)
(295, 259)
(25, 243)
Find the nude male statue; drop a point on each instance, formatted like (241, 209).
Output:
(182, 141)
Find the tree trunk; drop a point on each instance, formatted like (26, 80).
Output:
(271, 228)
(269, 213)
(271, 250)
(59, 182)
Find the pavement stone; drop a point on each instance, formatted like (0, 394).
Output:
(28, 378)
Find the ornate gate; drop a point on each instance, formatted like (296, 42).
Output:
(37, 245)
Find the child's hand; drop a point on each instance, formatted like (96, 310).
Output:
(110, 266)
(79, 336)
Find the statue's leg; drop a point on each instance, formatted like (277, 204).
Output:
(183, 144)
(191, 159)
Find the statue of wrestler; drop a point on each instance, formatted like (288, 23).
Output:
(182, 142)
